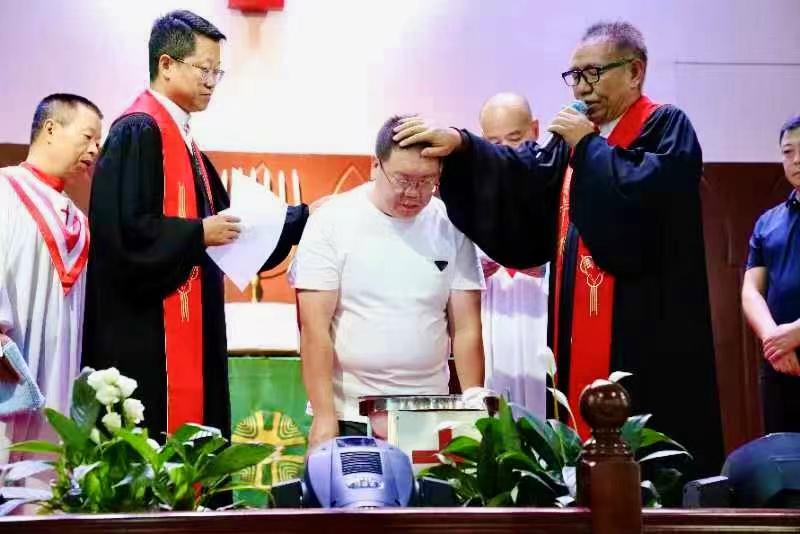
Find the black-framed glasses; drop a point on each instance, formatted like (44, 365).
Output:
(206, 74)
(591, 75)
(426, 186)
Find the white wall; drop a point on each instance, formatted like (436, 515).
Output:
(321, 75)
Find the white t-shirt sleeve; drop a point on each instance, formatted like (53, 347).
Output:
(468, 275)
(316, 262)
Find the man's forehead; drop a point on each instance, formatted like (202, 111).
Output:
(791, 137)
(410, 162)
(205, 48)
(594, 52)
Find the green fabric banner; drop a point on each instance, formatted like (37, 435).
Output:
(268, 405)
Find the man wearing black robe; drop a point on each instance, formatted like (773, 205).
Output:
(139, 256)
(633, 208)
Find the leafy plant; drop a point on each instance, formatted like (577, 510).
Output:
(106, 463)
(530, 462)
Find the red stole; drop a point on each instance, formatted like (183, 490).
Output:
(67, 237)
(183, 309)
(593, 299)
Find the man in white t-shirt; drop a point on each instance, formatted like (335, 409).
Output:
(386, 286)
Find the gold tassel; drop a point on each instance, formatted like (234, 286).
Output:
(184, 306)
(181, 201)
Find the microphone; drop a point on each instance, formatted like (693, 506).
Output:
(579, 106)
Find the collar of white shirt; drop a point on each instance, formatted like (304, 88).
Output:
(180, 117)
(607, 128)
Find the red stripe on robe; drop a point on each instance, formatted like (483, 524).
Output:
(593, 299)
(183, 309)
(60, 237)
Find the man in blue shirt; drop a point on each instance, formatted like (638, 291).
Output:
(771, 294)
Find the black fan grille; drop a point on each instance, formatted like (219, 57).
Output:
(361, 462)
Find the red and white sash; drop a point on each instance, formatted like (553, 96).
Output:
(593, 298)
(183, 309)
(65, 230)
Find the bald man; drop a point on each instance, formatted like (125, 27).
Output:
(506, 119)
(514, 305)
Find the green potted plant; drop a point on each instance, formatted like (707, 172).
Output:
(106, 463)
(525, 461)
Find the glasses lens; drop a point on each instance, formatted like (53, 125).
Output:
(592, 74)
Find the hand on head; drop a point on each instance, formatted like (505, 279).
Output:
(414, 129)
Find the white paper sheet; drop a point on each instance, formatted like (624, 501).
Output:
(262, 217)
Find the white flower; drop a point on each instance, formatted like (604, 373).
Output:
(112, 421)
(153, 443)
(98, 379)
(111, 375)
(94, 435)
(126, 386)
(95, 379)
(133, 410)
(108, 395)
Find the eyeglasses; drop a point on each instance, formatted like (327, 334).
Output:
(426, 186)
(591, 74)
(206, 74)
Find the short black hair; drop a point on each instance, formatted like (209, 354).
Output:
(384, 144)
(174, 35)
(61, 108)
(792, 124)
(624, 36)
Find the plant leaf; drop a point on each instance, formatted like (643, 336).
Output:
(70, 433)
(465, 485)
(663, 454)
(28, 494)
(632, 430)
(507, 427)
(665, 480)
(487, 464)
(549, 360)
(234, 459)
(82, 470)
(85, 407)
(651, 437)
(559, 396)
(650, 496)
(36, 446)
(501, 499)
(139, 443)
(542, 439)
(464, 447)
(26, 468)
(571, 445)
(518, 460)
(533, 491)
(193, 431)
(616, 376)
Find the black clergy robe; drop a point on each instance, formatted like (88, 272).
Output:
(638, 211)
(138, 256)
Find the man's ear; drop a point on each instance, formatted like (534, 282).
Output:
(165, 65)
(374, 168)
(535, 129)
(637, 72)
(48, 128)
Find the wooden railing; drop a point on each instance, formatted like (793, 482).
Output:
(409, 520)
